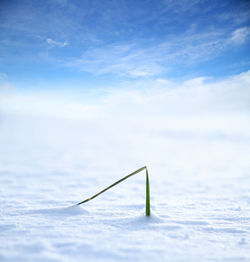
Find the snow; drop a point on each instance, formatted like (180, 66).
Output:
(199, 179)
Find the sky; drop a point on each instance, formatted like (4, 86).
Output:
(80, 52)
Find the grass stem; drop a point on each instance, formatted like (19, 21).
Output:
(119, 181)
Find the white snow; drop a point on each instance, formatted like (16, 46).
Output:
(199, 177)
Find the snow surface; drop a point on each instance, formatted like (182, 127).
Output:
(199, 172)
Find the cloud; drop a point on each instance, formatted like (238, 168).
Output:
(134, 59)
(4, 83)
(56, 43)
(196, 96)
(45, 104)
(119, 59)
(240, 35)
(154, 98)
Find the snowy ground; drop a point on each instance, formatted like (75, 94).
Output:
(200, 189)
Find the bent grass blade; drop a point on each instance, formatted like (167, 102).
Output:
(119, 181)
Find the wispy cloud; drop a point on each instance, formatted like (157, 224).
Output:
(123, 60)
(135, 60)
(56, 43)
(240, 35)
(4, 83)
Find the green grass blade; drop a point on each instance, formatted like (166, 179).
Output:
(147, 195)
(119, 181)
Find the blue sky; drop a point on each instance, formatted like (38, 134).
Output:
(92, 44)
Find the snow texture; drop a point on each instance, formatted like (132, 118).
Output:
(200, 189)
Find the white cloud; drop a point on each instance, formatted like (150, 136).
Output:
(158, 97)
(196, 97)
(46, 104)
(123, 60)
(240, 35)
(4, 83)
(56, 43)
(133, 60)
